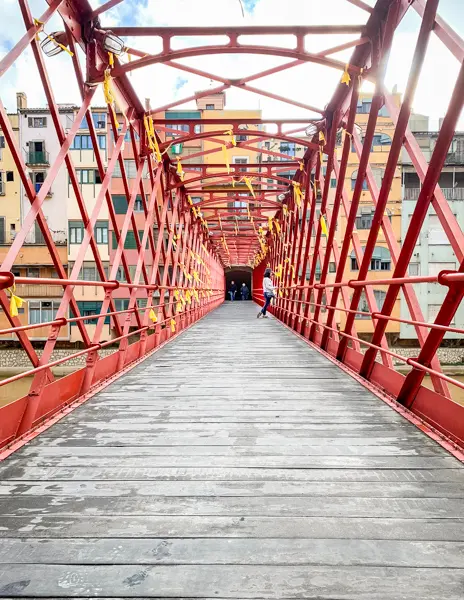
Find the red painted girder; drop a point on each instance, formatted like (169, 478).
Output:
(299, 30)
(433, 173)
(444, 32)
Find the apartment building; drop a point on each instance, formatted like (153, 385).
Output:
(433, 252)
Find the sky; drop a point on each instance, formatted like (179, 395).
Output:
(307, 83)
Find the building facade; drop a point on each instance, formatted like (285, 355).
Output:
(433, 252)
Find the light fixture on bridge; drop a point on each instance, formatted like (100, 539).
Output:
(281, 197)
(54, 43)
(112, 43)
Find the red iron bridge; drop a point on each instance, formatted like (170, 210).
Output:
(199, 452)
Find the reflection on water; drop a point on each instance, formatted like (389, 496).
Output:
(20, 388)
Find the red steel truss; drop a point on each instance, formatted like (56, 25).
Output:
(290, 226)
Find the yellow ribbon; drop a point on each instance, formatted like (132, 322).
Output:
(247, 181)
(179, 307)
(270, 225)
(173, 325)
(15, 302)
(39, 24)
(301, 166)
(285, 209)
(152, 316)
(297, 193)
(277, 226)
(180, 170)
(324, 226)
(346, 76)
(109, 98)
(231, 135)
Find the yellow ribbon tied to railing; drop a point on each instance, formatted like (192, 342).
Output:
(196, 276)
(195, 293)
(285, 210)
(15, 302)
(180, 170)
(324, 226)
(297, 193)
(40, 25)
(278, 271)
(176, 294)
(346, 76)
(188, 297)
(270, 224)
(173, 325)
(231, 135)
(152, 316)
(247, 181)
(179, 307)
(277, 226)
(109, 98)
(292, 267)
(301, 166)
(189, 200)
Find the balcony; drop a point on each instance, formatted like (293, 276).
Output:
(37, 158)
(36, 290)
(449, 193)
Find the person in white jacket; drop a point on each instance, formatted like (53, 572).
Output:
(269, 293)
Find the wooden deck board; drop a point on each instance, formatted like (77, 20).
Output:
(235, 463)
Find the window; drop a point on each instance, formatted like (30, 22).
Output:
(89, 308)
(380, 261)
(240, 160)
(210, 107)
(99, 121)
(364, 107)
(33, 272)
(363, 305)
(381, 139)
(120, 204)
(38, 177)
(242, 138)
(130, 169)
(37, 121)
(2, 230)
(2, 145)
(354, 176)
(129, 242)
(88, 274)
(414, 269)
(86, 176)
(121, 303)
(76, 232)
(84, 142)
(2, 183)
(287, 148)
(101, 232)
(333, 183)
(437, 235)
(42, 311)
(10, 175)
(332, 267)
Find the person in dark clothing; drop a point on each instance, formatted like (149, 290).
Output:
(232, 290)
(244, 291)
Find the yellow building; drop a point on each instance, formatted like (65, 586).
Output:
(381, 264)
(10, 190)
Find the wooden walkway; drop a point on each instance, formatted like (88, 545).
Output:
(235, 463)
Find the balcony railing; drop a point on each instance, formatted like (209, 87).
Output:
(39, 291)
(449, 193)
(38, 158)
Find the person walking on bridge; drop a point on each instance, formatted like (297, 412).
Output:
(244, 291)
(232, 290)
(269, 293)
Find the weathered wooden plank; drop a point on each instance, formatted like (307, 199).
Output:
(232, 581)
(235, 463)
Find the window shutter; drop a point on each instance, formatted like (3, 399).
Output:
(120, 204)
(30, 122)
(2, 141)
